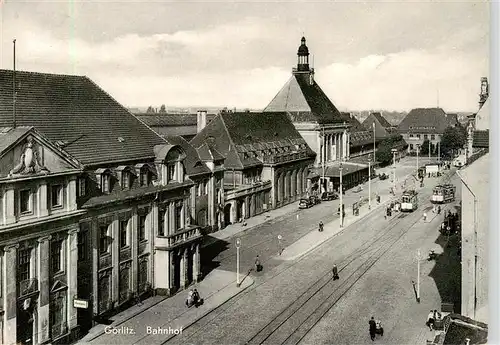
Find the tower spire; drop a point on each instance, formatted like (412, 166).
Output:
(303, 56)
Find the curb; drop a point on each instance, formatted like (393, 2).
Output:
(132, 315)
(337, 233)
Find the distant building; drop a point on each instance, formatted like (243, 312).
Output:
(383, 129)
(167, 124)
(94, 205)
(361, 141)
(425, 124)
(267, 162)
(475, 216)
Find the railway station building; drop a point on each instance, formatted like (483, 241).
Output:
(95, 208)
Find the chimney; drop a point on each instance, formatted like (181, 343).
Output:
(201, 120)
(483, 96)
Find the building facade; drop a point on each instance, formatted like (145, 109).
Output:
(426, 124)
(266, 161)
(125, 216)
(38, 241)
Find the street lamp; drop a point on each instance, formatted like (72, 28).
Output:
(369, 183)
(373, 125)
(341, 192)
(418, 275)
(279, 244)
(238, 244)
(418, 147)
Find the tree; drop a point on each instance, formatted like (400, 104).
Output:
(150, 110)
(424, 149)
(454, 138)
(384, 149)
(163, 109)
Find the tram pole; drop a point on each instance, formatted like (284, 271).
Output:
(369, 183)
(238, 244)
(340, 199)
(418, 276)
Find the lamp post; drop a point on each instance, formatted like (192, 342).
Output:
(238, 244)
(418, 147)
(341, 192)
(373, 125)
(429, 151)
(418, 276)
(279, 244)
(369, 183)
(323, 154)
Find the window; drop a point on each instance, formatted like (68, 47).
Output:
(143, 274)
(81, 186)
(25, 201)
(418, 136)
(24, 264)
(123, 233)
(178, 216)
(103, 239)
(170, 172)
(425, 136)
(161, 222)
(433, 137)
(83, 245)
(142, 228)
(411, 146)
(144, 178)
(56, 196)
(125, 179)
(411, 135)
(55, 256)
(124, 284)
(105, 183)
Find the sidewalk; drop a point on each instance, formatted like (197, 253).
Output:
(131, 326)
(252, 222)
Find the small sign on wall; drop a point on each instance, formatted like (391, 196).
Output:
(80, 303)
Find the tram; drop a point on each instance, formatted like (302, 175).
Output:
(409, 201)
(442, 194)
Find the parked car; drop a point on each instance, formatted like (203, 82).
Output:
(305, 203)
(315, 199)
(383, 176)
(326, 196)
(357, 189)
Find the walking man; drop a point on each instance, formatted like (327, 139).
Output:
(425, 216)
(373, 328)
(430, 320)
(335, 272)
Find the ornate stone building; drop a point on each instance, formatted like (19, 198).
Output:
(124, 214)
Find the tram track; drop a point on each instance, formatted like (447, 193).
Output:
(324, 283)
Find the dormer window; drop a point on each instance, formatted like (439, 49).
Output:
(81, 186)
(170, 172)
(145, 178)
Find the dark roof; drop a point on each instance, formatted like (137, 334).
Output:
(74, 110)
(192, 163)
(347, 169)
(9, 136)
(239, 136)
(170, 120)
(383, 128)
(305, 102)
(381, 119)
(209, 153)
(427, 120)
(481, 139)
(462, 327)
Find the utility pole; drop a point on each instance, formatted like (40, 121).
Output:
(373, 125)
(418, 276)
(439, 151)
(14, 89)
(394, 151)
(429, 151)
(369, 183)
(341, 203)
(323, 162)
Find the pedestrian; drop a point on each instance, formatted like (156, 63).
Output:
(189, 299)
(196, 298)
(320, 226)
(335, 272)
(430, 320)
(439, 209)
(425, 216)
(258, 266)
(373, 328)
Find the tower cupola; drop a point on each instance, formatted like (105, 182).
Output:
(303, 56)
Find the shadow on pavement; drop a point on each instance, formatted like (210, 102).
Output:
(447, 272)
(213, 248)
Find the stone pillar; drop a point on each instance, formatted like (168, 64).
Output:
(10, 305)
(134, 243)
(42, 207)
(9, 216)
(318, 149)
(330, 155)
(183, 268)
(171, 217)
(71, 195)
(114, 233)
(94, 232)
(196, 263)
(337, 147)
(43, 268)
(344, 145)
(171, 273)
(72, 263)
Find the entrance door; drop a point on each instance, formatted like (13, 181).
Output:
(177, 271)
(25, 323)
(227, 214)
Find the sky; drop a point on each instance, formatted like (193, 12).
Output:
(391, 55)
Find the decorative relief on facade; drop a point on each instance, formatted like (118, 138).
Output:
(29, 162)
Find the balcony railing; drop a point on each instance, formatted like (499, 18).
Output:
(28, 286)
(179, 238)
